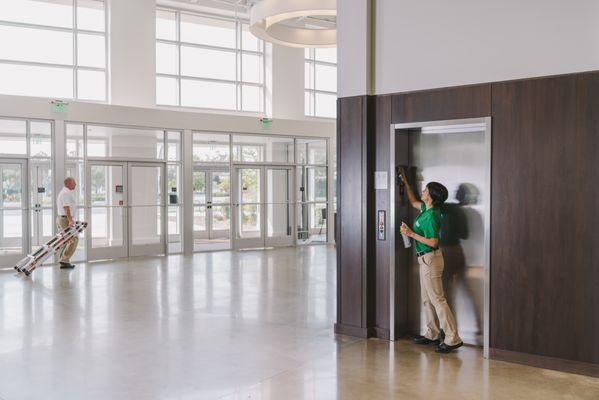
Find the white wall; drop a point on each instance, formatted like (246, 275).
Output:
(439, 43)
(34, 107)
(132, 52)
(353, 48)
(287, 82)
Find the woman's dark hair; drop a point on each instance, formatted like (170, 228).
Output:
(438, 193)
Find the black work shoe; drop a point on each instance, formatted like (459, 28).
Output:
(65, 265)
(445, 348)
(424, 340)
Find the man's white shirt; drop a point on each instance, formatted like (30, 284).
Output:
(66, 197)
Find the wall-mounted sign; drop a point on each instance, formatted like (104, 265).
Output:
(59, 106)
(266, 123)
(41, 190)
(119, 188)
(381, 179)
(173, 189)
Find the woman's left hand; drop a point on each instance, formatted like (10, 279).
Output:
(405, 230)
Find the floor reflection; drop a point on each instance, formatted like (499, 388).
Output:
(226, 325)
(169, 327)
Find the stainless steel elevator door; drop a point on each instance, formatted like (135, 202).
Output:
(458, 161)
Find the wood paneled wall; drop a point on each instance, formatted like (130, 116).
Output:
(355, 225)
(545, 165)
(544, 270)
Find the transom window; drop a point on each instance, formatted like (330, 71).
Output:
(53, 48)
(208, 62)
(320, 82)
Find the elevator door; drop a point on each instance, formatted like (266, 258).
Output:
(457, 159)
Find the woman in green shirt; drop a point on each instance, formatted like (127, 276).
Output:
(426, 234)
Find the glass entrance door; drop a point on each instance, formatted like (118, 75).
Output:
(146, 209)
(279, 206)
(264, 206)
(212, 205)
(311, 204)
(13, 211)
(249, 227)
(127, 209)
(106, 211)
(42, 221)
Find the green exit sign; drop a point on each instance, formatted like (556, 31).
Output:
(266, 123)
(60, 107)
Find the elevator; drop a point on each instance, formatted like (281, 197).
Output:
(455, 153)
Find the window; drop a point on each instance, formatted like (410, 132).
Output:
(53, 48)
(124, 142)
(210, 147)
(208, 62)
(262, 149)
(320, 82)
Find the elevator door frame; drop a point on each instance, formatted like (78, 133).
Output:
(486, 121)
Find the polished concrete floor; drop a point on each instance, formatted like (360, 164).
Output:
(226, 325)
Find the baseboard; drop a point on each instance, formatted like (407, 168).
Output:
(382, 333)
(557, 364)
(356, 331)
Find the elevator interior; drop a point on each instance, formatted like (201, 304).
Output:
(456, 154)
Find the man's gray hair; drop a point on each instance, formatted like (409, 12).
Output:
(68, 179)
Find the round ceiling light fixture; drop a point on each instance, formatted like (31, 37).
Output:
(295, 23)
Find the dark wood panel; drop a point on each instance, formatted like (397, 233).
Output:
(545, 162)
(349, 211)
(575, 367)
(382, 290)
(369, 217)
(586, 274)
(441, 104)
(355, 247)
(541, 220)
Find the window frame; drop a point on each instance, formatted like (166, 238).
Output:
(239, 83)
(311, 92)
(74, 67)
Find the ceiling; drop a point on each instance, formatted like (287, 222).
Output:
(312, 22)
(216, 3)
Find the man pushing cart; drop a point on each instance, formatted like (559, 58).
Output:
(66, 240)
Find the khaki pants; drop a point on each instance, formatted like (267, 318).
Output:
(436, 309)
(68, 249)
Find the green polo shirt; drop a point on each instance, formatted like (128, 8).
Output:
(427, 224)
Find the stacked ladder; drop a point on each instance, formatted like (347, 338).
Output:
(32, 261)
